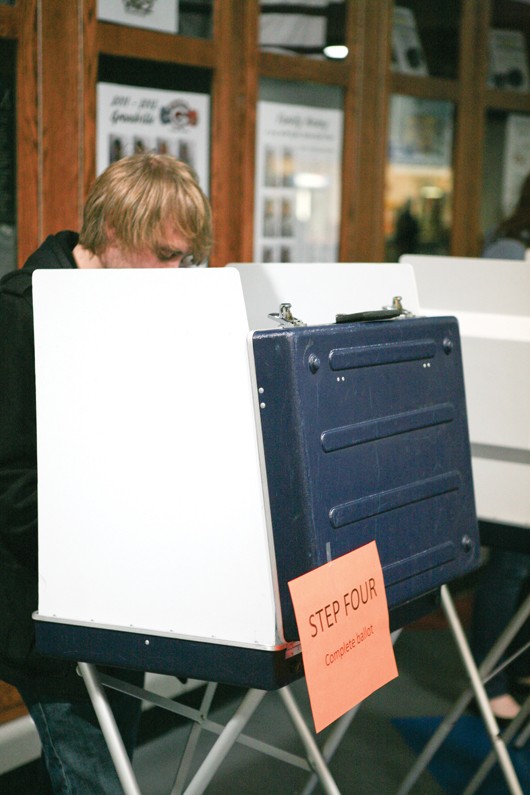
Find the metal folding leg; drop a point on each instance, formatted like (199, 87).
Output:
(228, 734)
(110, 731)
(191, 745)
(332, 743)
(512, 731)
(477, 677)
(225, 741)
(314, 758)
(314, 755)
(339, 730)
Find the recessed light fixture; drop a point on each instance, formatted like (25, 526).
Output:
(336, 51)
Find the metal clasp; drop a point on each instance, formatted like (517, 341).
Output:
(285, 317)
(397, 304)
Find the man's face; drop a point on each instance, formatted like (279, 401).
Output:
(169, 253)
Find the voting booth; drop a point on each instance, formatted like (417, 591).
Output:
(195, 455)
(491, 300)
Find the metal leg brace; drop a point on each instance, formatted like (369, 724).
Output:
(477, 677)
(228, 734)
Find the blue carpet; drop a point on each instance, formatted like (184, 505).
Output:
(462, 753)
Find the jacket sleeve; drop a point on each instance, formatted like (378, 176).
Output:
(18, 455)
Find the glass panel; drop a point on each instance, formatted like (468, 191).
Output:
(509, 45)
(8, 252)
(298, 172)
(419, 179)
(426, 37)
(303, 28)
(185, 17)
(506, 167)
(196, 18)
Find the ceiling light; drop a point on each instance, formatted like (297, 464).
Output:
(336, 51)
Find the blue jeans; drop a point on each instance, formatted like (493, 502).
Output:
(503, 586)
(73, 747)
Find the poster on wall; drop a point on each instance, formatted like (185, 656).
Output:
(421, 131)
(151, 14)
(297, 201)
(132, 119)
(516, 159)
(407, 51)
(508, 60)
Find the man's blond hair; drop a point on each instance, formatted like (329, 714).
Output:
(142, 198)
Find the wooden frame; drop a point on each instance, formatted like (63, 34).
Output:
(58, 49)
(20, 24)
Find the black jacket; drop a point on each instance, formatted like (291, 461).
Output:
(20, 663)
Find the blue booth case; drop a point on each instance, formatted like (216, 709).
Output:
(365, 436)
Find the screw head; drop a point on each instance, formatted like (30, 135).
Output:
(314, 363)
(447, 345)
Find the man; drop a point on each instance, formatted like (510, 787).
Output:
(144, 211)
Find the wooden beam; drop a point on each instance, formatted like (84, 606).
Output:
(367, 163)
(424, 87)
(151, 45)
(29, 189)
(234, 97)
(470, 129)
(62, 109)
(9, 22)
(88, 85)
(301, 68)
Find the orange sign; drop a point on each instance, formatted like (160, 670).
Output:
(342, 616)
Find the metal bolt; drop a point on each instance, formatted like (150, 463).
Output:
(314, 363)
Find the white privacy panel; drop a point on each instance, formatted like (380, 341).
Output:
(491, 299)
(151, 505)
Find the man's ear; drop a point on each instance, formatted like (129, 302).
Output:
(110, 235)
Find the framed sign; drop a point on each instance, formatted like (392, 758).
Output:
(421, 131)
(151, 14)
(508, 64)
(132, 119)
(407, 50)
(297, 202)
(516, 159)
